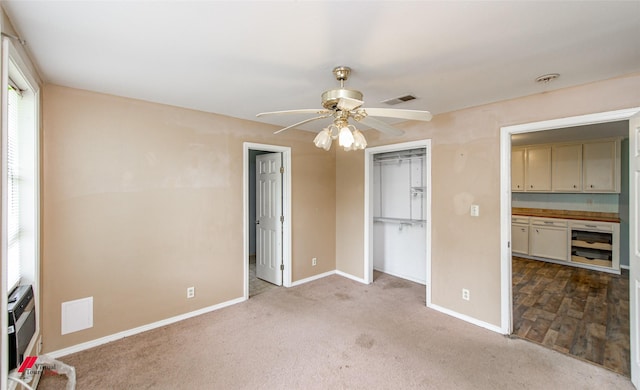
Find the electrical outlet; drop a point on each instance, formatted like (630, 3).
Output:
(191, 292)
(466, 295)
(314, 261)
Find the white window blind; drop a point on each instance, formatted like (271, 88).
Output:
(13, 190)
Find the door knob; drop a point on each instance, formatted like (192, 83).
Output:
(257, 222)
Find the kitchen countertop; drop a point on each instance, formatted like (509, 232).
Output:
(567, 214)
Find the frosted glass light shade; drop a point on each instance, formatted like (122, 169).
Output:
(347, 135)
(345, 138)
(359, 142)
(323, 140)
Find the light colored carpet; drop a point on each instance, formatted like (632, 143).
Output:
(332, 333)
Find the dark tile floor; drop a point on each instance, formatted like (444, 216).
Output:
(576, 311)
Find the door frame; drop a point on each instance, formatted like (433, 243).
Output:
(268, 233)
(505, 194)
(368, 205)
(286, 209)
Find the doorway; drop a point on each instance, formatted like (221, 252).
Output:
(506, 209)
(398, 211)
(281, 252)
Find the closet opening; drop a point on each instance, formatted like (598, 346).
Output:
(398, 220)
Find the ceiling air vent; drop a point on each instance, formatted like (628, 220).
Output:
(398, 100)
(547, 78)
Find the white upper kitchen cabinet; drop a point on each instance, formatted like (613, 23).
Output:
(538, 169)
(517, 169)
(566, 171)
(601, 165)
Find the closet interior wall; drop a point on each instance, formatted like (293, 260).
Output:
(399, 208)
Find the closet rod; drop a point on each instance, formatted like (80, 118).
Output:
(408, 153)
(399, 220)
(399, 157)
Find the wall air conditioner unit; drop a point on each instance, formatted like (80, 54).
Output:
(22, 323)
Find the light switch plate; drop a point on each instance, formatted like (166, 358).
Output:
(475, 210)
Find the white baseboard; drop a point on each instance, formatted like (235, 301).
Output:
(466, 318)
(140, 329)
(103, 340)
(335, 272)
(312, 278)
(397, 275)
(349, 276)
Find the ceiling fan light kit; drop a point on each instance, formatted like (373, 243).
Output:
(342, 104)
(347, 135)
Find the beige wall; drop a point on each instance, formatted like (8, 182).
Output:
(466, 170)
(142, 200)
(350, 212)
(314, 199)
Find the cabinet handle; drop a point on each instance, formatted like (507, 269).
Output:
(548, 222)
(591, 186)
(575, 186)
(591, 226)
(531, 186)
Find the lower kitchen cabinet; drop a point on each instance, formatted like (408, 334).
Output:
(549, 238)
(595, 244)
(586, 244)
(520, 235)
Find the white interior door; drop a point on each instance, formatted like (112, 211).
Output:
(269, 218)
(634, 245)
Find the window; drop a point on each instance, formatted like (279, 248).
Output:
(13, 191)
(21, 178)
(19, 184)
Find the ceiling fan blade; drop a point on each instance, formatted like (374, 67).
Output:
(348, 104)
(303, 122)
(380, 125)
(415, 115)
(301, 111)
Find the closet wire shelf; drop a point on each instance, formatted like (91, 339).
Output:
(411, 162)
(400, 220)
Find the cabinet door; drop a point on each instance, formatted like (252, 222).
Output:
(566, 173)
(601, 164)
(517, 169)
(538, 169)
(552, 243)
(519, 239)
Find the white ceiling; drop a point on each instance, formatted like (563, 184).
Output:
(239, 58)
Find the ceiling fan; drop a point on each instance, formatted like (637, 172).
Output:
(343, 104)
